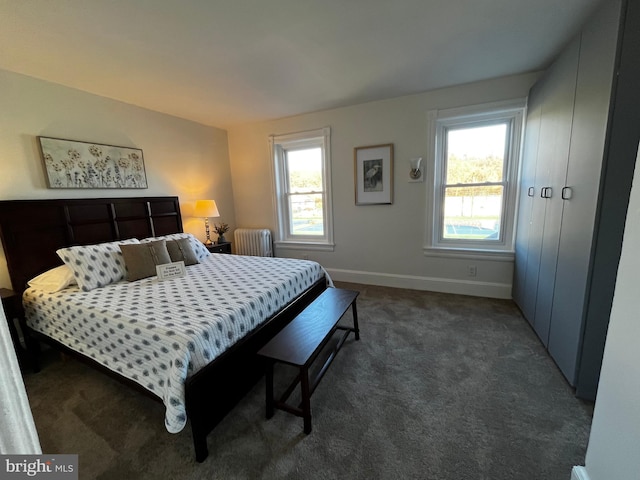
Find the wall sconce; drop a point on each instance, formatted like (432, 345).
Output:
(206, 209)
(415, 170)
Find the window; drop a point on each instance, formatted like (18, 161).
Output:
(303, 193)
(475, 171)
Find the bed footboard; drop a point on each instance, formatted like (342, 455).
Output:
(213, 391)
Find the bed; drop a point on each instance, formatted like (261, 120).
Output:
(189, 342)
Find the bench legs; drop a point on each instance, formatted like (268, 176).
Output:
(269, 384)
(307, 387)
(356, 329)
(304, 410)
(306, 398)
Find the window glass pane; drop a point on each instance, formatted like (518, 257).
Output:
(472, 213)
(305, 170)
(476, 154)
(306, 214)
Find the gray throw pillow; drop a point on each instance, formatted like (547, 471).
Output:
(181, 250)
(141, 260)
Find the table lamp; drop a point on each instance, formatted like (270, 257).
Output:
(206, 209)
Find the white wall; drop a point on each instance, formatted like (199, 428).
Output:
(379, 244)
(374, 244)
(182, 158)
(615, 431)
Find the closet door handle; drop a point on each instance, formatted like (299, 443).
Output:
(531, 192)
(546, 192)
(542, 192)
(567, 193)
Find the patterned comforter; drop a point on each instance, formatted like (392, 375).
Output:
(157, 333)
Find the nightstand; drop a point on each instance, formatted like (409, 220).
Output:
(12, 306)
(224, 247)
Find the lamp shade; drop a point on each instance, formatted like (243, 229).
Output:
(206, 209)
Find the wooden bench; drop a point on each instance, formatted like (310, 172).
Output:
(301, 341)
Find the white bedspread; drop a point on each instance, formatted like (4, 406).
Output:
(158, 333)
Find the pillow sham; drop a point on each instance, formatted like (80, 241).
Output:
(97, 265)
(140, 260)
(181, 250)
(53, 280)
(198, 247)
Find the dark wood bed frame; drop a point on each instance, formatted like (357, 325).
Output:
(32, 230)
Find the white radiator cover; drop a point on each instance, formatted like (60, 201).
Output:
(253, 241)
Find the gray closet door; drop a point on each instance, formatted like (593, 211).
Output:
(553, 155)
(539, 92)
(593, 93)
(523, 296)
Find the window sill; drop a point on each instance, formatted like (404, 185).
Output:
(470, 253)
(323, 247)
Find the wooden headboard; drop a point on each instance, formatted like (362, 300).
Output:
(32, 230)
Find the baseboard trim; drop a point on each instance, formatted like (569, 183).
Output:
(579, 473)
(433, 284)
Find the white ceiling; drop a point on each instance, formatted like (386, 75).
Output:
(225, 62)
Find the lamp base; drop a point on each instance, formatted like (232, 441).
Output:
(207, 242)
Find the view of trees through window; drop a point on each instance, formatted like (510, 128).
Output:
(305, 191)
(474, 184)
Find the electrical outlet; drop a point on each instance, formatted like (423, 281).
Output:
(472, 270)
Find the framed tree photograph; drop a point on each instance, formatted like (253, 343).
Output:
(373, 174)
(73, 164)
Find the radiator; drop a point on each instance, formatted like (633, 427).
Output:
(253, 241)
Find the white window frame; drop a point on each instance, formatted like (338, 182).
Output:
(279, 144)
(440, 121)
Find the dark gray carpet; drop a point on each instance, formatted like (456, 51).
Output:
(439, 387)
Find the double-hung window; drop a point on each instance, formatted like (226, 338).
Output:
(303, 189)
(474, 177)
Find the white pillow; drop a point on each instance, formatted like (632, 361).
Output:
(198, 247)
(53, 280)
(98, 265)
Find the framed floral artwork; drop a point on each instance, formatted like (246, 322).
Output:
(373, 174)
(73, 164)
